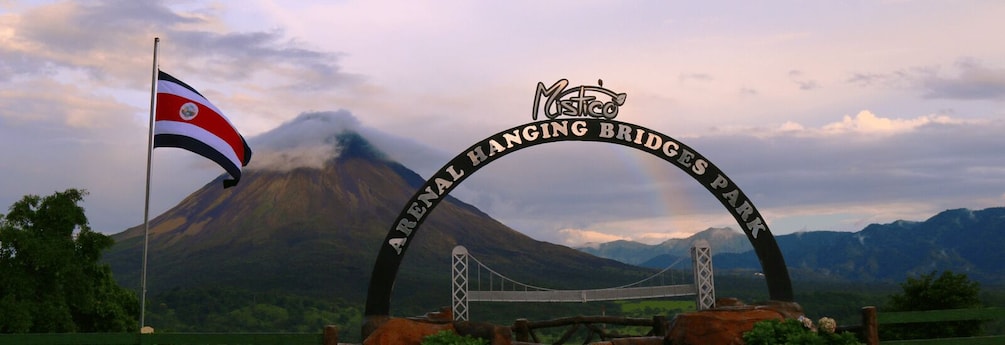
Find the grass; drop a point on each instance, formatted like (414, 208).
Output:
(649, 308)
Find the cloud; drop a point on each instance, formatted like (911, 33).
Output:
(309, 140)
(257, 55)
(804, 84)
(865, 122)
(909, 78)
(677, 221)
(694, 76)
(51, 37)
(48, 102)
(863, 159)
(841, 175)
(974, 82)
(574, 237)
(579, 237)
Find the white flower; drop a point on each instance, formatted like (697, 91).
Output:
(827, 324)
(807, 323)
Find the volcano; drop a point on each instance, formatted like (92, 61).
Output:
(316, 231)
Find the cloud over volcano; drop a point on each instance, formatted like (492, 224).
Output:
(312, 139)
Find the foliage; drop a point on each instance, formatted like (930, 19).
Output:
(452, 338)
(948, 291)
(222, 309)
(52, 280)
(793, 332)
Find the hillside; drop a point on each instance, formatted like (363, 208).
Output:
(961, 240)
(723, 240)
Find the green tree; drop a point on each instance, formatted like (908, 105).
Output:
(948, 291)
(52, 278)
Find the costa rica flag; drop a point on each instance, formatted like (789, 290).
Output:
(185, 119)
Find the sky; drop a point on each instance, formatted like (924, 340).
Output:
(829, 115)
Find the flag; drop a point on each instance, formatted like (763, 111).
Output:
(185, 119)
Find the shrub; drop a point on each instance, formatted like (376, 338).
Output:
(931, 292)
(451, 338)
(793, 332)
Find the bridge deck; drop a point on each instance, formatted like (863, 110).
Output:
(582, 295)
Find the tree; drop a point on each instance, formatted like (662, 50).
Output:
(948, 291)
(52, 278)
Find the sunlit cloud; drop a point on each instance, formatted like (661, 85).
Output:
(578, 237)
(865, 122)
(653, 230)
(61, 104)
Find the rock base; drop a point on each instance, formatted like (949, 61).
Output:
(410, 331)
(726, 323)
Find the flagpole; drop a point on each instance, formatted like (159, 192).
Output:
(146, 203)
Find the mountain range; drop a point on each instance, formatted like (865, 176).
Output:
(960, 240)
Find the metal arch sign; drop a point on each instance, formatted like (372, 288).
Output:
(589, 113)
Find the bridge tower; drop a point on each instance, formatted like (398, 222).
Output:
(701, 262)
(459, 290)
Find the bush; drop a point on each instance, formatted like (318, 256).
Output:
(930, 292)
(451, 338)
(793, 332)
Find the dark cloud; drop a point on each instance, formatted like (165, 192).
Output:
(934, 161)
(88, 26)
(807, 85)
(128, 14)
(111, 39)
(241, 55)
(866, 79)
(18, 64)
(974, 81)
(897, 79)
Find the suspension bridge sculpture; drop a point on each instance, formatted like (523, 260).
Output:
(499, 288)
